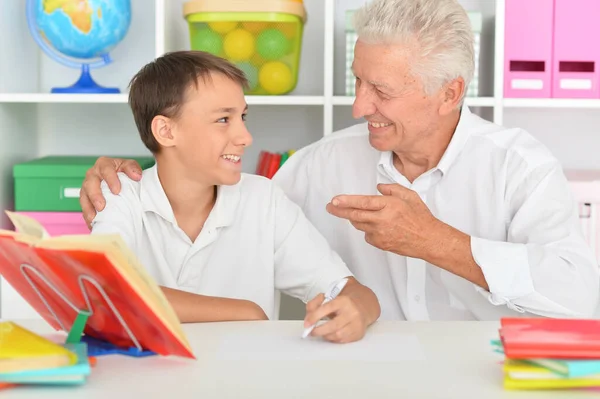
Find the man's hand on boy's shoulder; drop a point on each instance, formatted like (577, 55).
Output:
(350, 314)
(90, 196)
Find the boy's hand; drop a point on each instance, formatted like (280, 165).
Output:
(346, 323)
(351, 313)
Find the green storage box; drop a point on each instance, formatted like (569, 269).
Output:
(52, 183)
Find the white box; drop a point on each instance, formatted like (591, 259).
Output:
(586, 189)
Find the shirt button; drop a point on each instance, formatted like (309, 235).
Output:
(417, 298)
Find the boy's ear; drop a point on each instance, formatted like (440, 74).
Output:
(162, 131)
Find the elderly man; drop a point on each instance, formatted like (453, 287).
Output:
(444, 215)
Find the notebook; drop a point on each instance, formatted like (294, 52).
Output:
(550, 338)
(21, 349)
(571, 368)
(521, 375)
(73, 374)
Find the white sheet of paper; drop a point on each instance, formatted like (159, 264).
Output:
(382, 347)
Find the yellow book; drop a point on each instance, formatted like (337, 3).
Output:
(21, 349)
(523, 375)
(94, 274)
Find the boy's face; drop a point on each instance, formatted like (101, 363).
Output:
(210, 135)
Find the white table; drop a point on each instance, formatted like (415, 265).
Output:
(458, 362)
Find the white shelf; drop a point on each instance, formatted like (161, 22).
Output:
(63, 98)
(470, 101)
(343, 100)
(122, 98)
(298, 100)
(285, 100)
(480, 101)
(550, 103)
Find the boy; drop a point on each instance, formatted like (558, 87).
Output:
(219, 242)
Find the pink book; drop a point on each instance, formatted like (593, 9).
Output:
(550, 338)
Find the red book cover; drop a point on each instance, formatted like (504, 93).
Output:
(274, 165)
(261, 157)
(550, 338)
(63, 276)
(266, 161)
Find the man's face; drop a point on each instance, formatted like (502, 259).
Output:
(390, 99)
(211, 133)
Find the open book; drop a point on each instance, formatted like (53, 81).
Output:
(61, 277)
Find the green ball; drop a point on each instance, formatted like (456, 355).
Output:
(272, 44)
(207, 40)
(251, 73)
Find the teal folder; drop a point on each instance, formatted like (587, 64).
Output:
(69, 375)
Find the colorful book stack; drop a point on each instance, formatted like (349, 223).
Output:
(28, 358)
(269, 162)
(550, 353)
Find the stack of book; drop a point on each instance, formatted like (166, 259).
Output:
(550, 353)
(29, 358)
(270, 162)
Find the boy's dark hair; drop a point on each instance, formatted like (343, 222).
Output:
(159, 88)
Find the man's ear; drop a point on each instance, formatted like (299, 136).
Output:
(451, 95)
(162, 130)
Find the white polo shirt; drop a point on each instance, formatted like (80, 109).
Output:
(254, 242)
(499, 185)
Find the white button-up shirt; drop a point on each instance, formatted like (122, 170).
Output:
(499, 185)
(255, 242)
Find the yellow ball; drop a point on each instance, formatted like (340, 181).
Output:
(223, 26)
(254, 27)
(239, 45)
(276, 78)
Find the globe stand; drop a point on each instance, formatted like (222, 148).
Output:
(86, 85)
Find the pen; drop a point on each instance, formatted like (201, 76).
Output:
(332, 294)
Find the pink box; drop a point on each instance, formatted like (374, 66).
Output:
(60, 223)
(576, 65)
(528, 48)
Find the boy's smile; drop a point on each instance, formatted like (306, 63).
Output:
(233, 161)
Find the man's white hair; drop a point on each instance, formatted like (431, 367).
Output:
(439, 29)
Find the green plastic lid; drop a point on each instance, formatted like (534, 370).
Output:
(65, 166)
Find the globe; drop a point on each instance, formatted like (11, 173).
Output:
(79, 34)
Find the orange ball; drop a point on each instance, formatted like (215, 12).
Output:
(254, 26)
(289, 29)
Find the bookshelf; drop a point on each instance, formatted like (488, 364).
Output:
(35, 123)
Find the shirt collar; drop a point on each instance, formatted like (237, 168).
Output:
(457, 143)
(153, 199)
(461, 134)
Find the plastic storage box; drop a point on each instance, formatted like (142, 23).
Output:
(261, 37)
(576, 69)
(528, 48)
(60, 223)
(53, 183)
(351, 38)
(476, 26)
